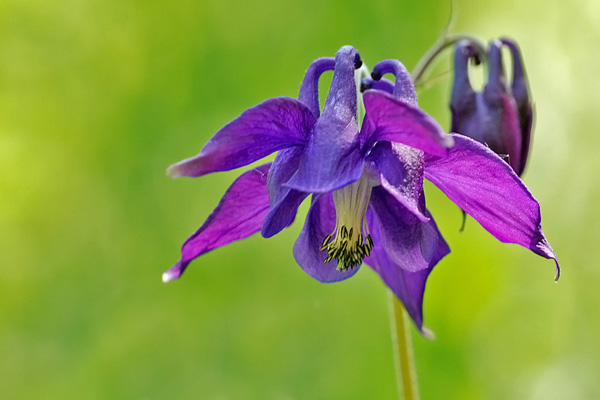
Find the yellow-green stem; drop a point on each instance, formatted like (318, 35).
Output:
(406, 375)
(442, 44)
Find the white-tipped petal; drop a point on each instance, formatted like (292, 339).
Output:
(169, 275)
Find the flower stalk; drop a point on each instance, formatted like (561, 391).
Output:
(441, 45)
(406, 375)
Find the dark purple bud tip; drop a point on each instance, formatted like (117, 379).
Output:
(476, 60)
(383, 84)
(403, 87)
(357, 61)
(366, 84)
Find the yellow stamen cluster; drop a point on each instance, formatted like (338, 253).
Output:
(348, 252)
(350, 241)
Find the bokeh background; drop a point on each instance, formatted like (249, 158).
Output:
(97, 98)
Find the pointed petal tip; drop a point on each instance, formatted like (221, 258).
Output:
(169, 275)
(427, 334)
(174, 172)
(557, 275)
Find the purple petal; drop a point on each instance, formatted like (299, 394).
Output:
(400, 171)
(390, 119)
(332, 157)
(331, 160)
(462, 100)
(272, 125)
(409, 242)
(520, 92)
(494, 123)
(487, 188)
(404, 89)
(407, 286)
(382, 84)
(526, 121)
(309, 89)
(320, 222)
(239, 214)
(284, 201)
(499, 119)
(512, 138)
(341, 99)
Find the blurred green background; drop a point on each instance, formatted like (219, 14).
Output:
(97, 98)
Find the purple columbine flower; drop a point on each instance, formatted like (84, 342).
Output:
(367, 185)
(501, 116)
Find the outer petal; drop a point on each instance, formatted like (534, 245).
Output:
(284, 201)
(409, 242)
(486, 188)
(520, 92)
(390, 119)
(498, 120)
(309, 89)
(332, 157)
(404, 89)
(272, 125)
(400, 170)
(462, 100)
(331, 160)
(320, 222)
(526, 116)
(407, 286)
(239, 214)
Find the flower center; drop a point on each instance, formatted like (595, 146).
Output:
(350, 241)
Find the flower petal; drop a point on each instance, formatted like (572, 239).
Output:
(409, 242)
(520, 92)
(400, 171)
(382, 84)
(309, 89)
(462, 99)
(404, 89)
(407, 286)
(499, 120)
(284, 201)
(391, 119)
(272, 125)
(332, 158)
(487, 189)
(239, 214)
(320, 222)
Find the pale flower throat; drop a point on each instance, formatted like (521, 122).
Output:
(351, 240)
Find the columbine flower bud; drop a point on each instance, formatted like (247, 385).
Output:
(499, 116)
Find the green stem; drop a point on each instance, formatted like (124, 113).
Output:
(441, 45)
(406, 375)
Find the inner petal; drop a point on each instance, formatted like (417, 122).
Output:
(350, 241)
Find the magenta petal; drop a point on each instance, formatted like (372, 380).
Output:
(240, 213)
(408, 286)
(320, 222)
(388, 118)
(409, 242)
(272, 125)
(487, 189)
